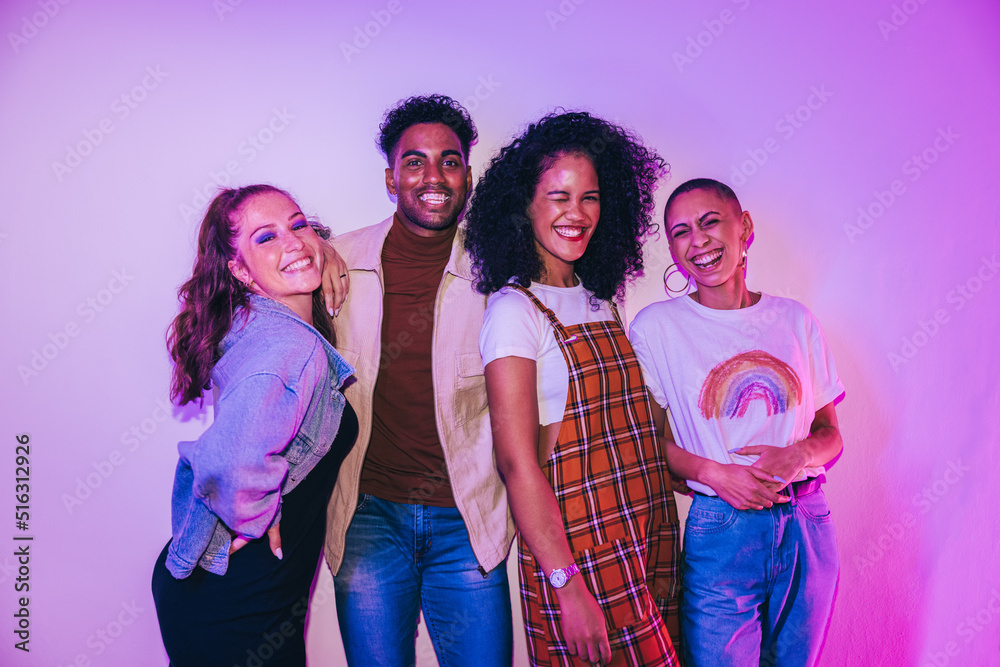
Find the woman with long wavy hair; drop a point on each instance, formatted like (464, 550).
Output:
(555, 231)
(250, 495)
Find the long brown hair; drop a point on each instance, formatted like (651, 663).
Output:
(212, 296)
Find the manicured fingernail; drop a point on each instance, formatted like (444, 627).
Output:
(277, 552)
(330, 310)
(780, 480)
(735, 449)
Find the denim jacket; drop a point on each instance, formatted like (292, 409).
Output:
(278, 412)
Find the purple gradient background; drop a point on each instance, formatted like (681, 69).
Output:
(919, 544)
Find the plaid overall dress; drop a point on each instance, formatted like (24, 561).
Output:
(611, 482)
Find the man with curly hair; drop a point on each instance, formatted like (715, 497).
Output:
(419, 517)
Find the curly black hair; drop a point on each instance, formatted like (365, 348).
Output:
(499, 234)
(426, 109)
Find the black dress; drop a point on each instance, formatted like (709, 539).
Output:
(255, 613)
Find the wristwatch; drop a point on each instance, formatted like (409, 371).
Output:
(560, 577)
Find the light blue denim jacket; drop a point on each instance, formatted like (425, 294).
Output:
(277, 414)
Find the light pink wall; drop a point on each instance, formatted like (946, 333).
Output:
(91, 254)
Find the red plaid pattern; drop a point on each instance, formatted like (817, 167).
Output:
(611, 481)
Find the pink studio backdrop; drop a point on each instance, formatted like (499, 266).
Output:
(862, 135)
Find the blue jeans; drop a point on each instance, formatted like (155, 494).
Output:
(402, 558)
(758, 584)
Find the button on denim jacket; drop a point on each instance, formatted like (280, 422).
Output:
(277, 414)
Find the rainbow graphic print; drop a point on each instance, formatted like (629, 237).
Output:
(733, 385)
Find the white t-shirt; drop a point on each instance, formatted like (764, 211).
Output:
(514, 327)
(730, 378)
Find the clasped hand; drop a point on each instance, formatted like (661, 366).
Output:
(756, 486)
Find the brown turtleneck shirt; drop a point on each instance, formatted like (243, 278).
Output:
(405, 461)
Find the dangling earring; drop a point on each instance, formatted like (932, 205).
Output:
(673, 268)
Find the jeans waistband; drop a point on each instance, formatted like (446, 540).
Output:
(803, 488)
(793, 490)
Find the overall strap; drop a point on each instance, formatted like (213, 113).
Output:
(614, 311)
(561, 334)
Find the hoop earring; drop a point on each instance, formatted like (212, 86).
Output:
(673, 268)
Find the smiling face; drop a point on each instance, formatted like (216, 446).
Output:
(564, 213)
(278, 255)
(429, 178)
(708, 234)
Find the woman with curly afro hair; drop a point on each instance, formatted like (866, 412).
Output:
(555, 230)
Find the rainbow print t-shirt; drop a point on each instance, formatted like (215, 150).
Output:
(731, 378)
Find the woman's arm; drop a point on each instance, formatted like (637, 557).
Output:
(237, 464)
(513, 401)
(743, 487)
(822, 445)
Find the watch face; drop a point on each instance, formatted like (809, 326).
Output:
(558, 578)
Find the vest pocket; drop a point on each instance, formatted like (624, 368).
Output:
(615, 573)
(469, 364)
(470, 388)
